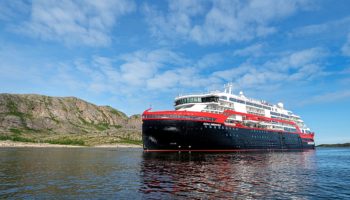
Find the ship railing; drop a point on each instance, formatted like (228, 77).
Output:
(197, 93)
(169, 116)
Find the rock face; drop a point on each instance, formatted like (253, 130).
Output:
(69, 116)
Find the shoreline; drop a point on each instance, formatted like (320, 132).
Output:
(9, 143)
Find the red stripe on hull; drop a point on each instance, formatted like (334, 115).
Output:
(221, 118)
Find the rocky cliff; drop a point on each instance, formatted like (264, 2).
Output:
(46, 119)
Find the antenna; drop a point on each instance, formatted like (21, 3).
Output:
(228, 88)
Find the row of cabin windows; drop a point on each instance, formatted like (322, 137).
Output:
(258, 136)
(307, 140)
(278, 114)
(179, 117)
(255, 110)
(216, 99)
(197, 100)
(231, 128)
(258, 105)
(250, 104)
(290, 129)
(305, 131)
(221, 127)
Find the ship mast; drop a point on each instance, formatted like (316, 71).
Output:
(228, 88)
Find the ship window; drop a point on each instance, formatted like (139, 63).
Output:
(223, 97)
(210, 99)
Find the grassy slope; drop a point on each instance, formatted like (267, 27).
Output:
(88, 133)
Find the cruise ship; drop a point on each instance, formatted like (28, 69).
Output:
(223, 121)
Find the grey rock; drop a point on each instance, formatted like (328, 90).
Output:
(64, 115)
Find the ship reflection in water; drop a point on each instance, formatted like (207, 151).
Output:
(231, 175)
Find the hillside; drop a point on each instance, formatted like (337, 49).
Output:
(66, 120)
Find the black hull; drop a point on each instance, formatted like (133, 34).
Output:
(183, 135)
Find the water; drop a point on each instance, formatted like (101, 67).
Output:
(91, 173)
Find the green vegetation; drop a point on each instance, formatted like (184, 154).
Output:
(15, 131)
(66, 120)
(13, 110)
(116, 126)
(5, 137)
(16, 138)
(101, 126)
(117, 112)
(334, 145)
(11, 106)
(66, 141)
(21, 139)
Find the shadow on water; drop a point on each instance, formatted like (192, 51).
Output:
(226, 175)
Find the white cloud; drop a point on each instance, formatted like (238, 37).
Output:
(209, 60)
(166, 80)
(253, 50)
(128, 73)
(75, 22)
(328, 97)
(302, 65)
(346, 47)
(327, 28)
(148, 69)
(10, 10)
(222, 21)
(158, 73)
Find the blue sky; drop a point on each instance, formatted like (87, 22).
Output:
(133, 54)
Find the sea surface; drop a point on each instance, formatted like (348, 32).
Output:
(95, 173)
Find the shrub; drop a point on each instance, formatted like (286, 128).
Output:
(15, 131)
(66, 141)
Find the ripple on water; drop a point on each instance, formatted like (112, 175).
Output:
(131, 174)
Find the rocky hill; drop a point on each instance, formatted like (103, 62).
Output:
(67, 120)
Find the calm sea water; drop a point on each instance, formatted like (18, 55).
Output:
(88, 173)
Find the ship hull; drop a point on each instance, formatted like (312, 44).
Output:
(187, 135)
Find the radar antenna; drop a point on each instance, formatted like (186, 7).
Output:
(228, 88)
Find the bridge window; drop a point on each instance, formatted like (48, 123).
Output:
(210, 99)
